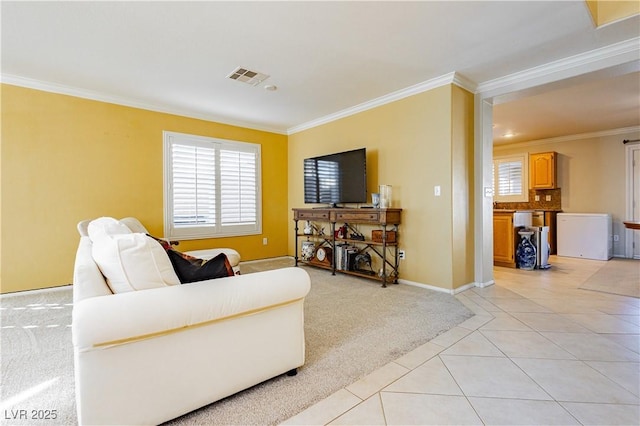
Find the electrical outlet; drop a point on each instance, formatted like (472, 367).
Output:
(401, 254)
(548, 197)
(265, 241)
(537, 198)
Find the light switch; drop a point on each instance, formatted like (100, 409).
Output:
(537, 198)
(436, 190)
(548, 198)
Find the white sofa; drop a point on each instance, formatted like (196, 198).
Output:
(148, 356)
(136, 226)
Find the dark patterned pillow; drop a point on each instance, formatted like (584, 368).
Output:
(190, 269)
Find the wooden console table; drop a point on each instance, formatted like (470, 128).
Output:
(381, 218)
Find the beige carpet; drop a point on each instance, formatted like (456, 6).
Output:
(36, 357)
(352, 327)
(617, 276)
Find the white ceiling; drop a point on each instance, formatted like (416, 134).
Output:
(609, 102)
(324, 57)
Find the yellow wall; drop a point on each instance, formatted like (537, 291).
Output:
(65, 159)
(412, 144)
(462, 187)
(608, 11)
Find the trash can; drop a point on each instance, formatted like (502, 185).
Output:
(540, 239)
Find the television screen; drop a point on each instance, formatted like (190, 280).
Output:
(336, 178)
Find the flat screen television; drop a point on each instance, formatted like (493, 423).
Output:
(336, 178)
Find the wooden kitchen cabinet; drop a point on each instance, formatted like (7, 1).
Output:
(542, 170)
(504, 240)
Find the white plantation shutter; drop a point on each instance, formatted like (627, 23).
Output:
(212, 187)
(510, 182)
(238, 186)
(194, 185)
(510, 178)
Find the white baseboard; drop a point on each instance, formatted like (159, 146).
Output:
(486, 284)
(407, 282)
(440, 289)
(268, 259)
(464, 288)
(622, 256)
(36, 291)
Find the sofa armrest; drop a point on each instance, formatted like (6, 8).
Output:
(101, 322)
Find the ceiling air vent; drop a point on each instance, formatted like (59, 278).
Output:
(244, 75)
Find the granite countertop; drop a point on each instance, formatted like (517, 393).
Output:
(526, 210)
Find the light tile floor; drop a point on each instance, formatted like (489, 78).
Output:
(539, 351)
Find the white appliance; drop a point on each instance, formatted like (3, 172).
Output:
(540, 239)
(585, 235)
(522, 218)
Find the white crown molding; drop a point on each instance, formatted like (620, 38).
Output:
(467, 84)
(615, 54)
(451, 78)
(569, 138)
(129, 102)
(618, 53)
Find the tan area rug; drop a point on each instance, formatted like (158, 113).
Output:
(618, 276)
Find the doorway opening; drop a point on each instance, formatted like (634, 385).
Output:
(516, 89)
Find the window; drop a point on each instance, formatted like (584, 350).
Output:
(212, 187)
(510, 182)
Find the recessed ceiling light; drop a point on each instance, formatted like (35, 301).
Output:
(509, 135)
(271, 87)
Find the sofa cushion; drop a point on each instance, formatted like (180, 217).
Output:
(106, 226)
(132, 261)
(190, 269)
(134, 224)
(88, 280)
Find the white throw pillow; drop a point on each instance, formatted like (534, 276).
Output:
(133, 262)
(106, 226)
